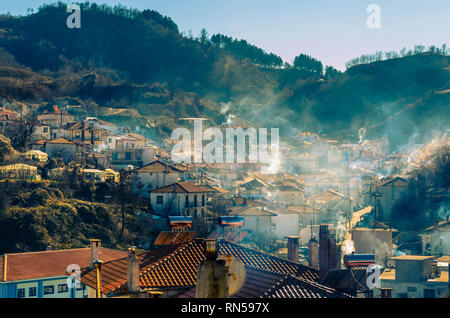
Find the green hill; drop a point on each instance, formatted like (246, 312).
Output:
(127, 59)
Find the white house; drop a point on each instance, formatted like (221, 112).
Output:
(181, 198)
(155, 175)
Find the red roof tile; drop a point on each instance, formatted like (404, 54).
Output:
(176, 266)
(263, 284)
(175, 238)
(50, 263)
(183, 187)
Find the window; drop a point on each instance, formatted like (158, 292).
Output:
(187, 200)
(412, 289)
(82, 287)
(195, 200)
(203, 200)
(45, 129)
(428, 293)
(77, 134)
(62, 288)
(159, 199)
(21, 293)
(32, 291)
(49, 290)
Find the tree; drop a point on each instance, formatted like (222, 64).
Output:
(204, 37)
(307, 63)
(330, 72)
(124, 196)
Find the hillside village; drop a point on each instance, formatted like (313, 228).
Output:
(314, 221)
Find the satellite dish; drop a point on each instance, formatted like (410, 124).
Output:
(236, 273)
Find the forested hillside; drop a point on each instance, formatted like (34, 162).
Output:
(124, 59)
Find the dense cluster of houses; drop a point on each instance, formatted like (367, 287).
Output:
(328, 202)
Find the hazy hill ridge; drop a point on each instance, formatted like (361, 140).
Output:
(127, 59)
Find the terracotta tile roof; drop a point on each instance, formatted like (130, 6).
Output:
(183, 187)
(138, 137)
(175, 238)
(176, 266)
(60, 140)
(235, 237)
(157, 167)
(81, 125)
(6, 114)
(40, 142)
(250, 211)
(263, 284)
(50, 263)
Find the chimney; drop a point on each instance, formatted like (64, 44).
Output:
(293, 248)
(386, 293)
(323, 251)
(212, 275)
(95, 250)
(133, 270)
(313, 256)
(328, 253)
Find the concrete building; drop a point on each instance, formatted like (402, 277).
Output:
(43, 274)
(390, 191)
(414, 276)
(436, 239)
(155, 175)
(257, 220)
(63, 148)
(181, 198)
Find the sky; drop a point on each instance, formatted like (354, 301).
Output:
(334, 31)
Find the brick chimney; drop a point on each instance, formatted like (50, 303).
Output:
(96, 244)
(313, 255)
(293, 248)
(323, 251)
(327, 251)
(132, 270)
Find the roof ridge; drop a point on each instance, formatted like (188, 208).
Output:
(49, 251)
(267, 254)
